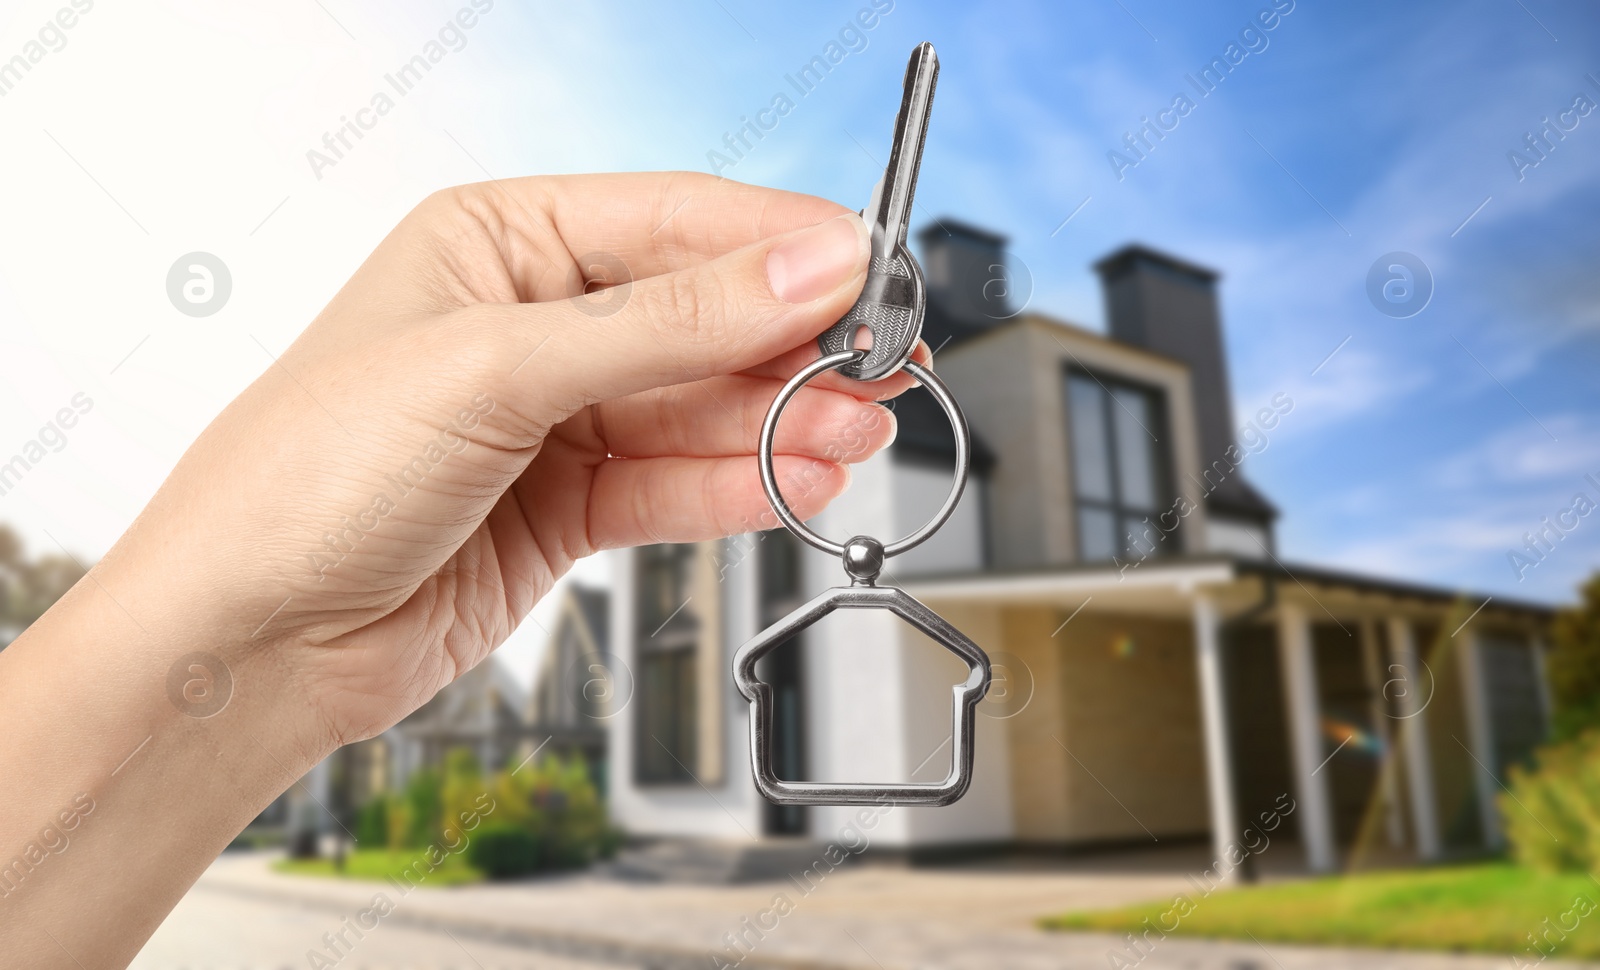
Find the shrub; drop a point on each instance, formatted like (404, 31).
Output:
(501, 850)
(555, 800)
(1574, 663)
(1552, 811)
(459, 791)
(417, 812)
(372, 823)
(552, 805)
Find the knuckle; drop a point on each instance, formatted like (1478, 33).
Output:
(437, 202)
(684, 309)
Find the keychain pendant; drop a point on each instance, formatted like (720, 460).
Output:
(964, 700)
(863, 559)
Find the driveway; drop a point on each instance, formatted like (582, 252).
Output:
(862, 918)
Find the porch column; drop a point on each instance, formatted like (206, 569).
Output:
(1480, 733)
(1214, 725)
(1378, 710)
(1305, 736)
(1414, 736)
(1541, 676)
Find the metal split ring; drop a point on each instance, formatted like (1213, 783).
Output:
(769, 430)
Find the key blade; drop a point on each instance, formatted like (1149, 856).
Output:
(893, 300)
(894, 194)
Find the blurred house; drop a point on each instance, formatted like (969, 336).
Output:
(1160, 672)
(481, 711)
(572, 686)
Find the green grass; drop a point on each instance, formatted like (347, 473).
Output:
(379, 864)
(1487, 908)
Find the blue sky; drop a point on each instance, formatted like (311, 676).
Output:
(1426, 446)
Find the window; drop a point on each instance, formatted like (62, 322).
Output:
(668, 634)
(1118, 472)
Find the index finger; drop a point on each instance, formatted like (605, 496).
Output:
(638, 224)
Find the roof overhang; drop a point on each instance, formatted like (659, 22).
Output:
(1169, 586)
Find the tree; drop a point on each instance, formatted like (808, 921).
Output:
(1574, 663)
(29, 587)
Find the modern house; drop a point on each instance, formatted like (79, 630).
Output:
(1160, 672)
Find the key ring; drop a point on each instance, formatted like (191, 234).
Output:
(769, 480)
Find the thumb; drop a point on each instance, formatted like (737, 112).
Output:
(718, 317)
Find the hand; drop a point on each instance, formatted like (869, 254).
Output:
(463, 422)
(381, 507)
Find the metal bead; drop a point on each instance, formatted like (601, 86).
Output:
(863, 559)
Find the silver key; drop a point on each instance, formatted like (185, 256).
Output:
(893, 301)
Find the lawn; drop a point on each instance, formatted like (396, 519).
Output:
(379, 864)
(1486, 907)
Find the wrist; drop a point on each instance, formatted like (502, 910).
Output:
(145, 776)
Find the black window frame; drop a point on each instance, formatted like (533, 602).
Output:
(1125, 518)
(666, 741)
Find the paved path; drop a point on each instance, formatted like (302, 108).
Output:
(225, 930)
(862, 918)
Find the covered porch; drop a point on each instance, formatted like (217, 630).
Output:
(1344, 721)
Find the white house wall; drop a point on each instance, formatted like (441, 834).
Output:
(878, 699)
(958, 546)
(731, 809)
(984, 814)
(854, 722)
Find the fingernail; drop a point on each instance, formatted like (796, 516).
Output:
(870, 417)
(894, 427)
(816, 261)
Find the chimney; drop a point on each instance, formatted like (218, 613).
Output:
(1169, 306)
(969, 278)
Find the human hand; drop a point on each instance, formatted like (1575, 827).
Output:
(462, 423)
(379, 509)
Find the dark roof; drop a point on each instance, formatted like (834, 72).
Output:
(942, 329)
(594, 605)
(923, 431)
(1236, 494)
(945, 226)
(1125, 257)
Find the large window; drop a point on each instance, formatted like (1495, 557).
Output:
(668, 637)
(1119, 476)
